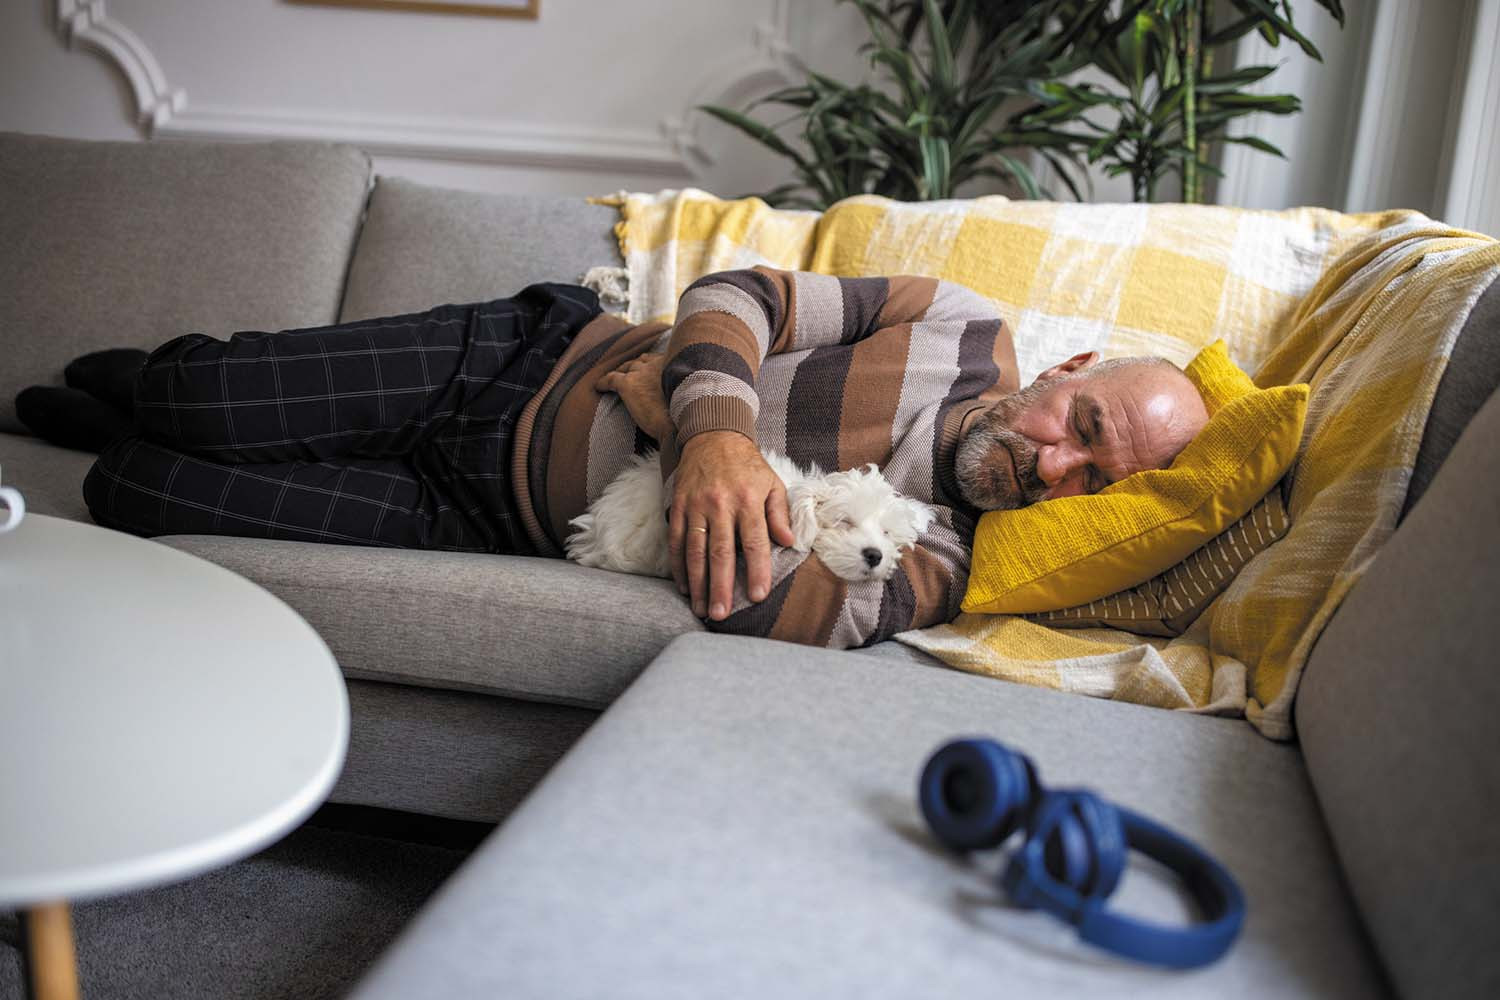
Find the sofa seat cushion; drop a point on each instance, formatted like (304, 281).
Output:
(529, 628)
(422, 246)
(743, 823)
(129, 244)
(49, 477)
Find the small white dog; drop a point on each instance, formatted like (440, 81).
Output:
(855, 522)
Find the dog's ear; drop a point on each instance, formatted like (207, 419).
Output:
(802, 502)
(914, 518)
(922, 514)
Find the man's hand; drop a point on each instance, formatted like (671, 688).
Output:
(638, 381)
(724, 492)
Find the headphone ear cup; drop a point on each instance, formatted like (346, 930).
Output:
(974, 793)
(1086, 849)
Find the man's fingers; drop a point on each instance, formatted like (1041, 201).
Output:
(757, 548)
(779, 518)
(721, 565)
(695, 547)
(676, 550)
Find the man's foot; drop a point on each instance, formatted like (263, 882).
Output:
(71, 418)
(108, 375)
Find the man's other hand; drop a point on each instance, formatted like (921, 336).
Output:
(725, 493)
(638, 382)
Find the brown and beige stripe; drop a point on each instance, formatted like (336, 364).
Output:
(830, 371)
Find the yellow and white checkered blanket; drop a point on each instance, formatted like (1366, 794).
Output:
(1364, 307)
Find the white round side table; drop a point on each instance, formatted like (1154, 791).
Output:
(159, 716)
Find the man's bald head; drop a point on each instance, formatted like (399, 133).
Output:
(1080, 426)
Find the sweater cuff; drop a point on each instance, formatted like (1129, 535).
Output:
(715, 413)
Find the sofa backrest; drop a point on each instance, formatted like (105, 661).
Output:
(1397, 715)
(424, 246)
(1472, 375)
(129, 244)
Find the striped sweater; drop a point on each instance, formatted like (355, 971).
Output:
(833, 371)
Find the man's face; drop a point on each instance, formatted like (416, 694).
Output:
(1073, 431)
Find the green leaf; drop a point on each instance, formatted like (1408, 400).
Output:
(1227, 82)
(754, 130)
(1254, 143)
(943, 72)
(935, 167)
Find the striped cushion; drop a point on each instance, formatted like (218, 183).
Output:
(1167, 604)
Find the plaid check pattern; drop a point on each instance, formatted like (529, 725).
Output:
(391, 432)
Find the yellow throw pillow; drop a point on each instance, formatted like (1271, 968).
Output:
(1069, 551)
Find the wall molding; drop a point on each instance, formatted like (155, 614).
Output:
(673, 149)
(771, 63)
(84, 22)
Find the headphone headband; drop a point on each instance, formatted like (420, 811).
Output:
(1029, 883)
(975, 793)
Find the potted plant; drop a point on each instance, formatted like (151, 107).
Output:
(962, 88)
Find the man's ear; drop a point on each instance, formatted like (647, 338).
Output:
(1076, 363)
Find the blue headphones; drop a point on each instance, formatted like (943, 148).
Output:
(975, 793)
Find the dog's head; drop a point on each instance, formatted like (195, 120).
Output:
(863, 524)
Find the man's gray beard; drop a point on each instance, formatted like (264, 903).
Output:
(997, 484)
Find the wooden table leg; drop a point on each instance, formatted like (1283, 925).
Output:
(54, 965)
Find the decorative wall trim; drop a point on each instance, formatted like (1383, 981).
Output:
(83, 22)
(673, 150)
(772, 64)
(454, 139)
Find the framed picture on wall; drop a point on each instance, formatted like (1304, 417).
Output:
(489, 8)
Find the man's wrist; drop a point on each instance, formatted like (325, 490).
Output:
(709, 438)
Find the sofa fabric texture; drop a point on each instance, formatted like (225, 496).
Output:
(450, 753)
(743, 823)
(129, 244)
(521, 627)
(51, 478)
(423, 246)
(1397, 720)
(1471, 377)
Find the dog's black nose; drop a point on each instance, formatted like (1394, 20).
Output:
(872, 557)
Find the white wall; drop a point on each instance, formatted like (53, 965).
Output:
(1402, 113)
(598, 95)
(591, 97)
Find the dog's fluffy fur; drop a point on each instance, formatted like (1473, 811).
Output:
(855, 522)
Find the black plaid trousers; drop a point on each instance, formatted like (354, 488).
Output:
(391, 432)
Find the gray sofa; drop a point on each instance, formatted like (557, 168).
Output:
(741, 820)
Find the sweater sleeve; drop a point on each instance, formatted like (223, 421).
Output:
(808, 604)
(729, 322)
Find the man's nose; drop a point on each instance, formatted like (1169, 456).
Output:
(1056, 462)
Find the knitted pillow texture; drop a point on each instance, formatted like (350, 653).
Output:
(1169, 602)
(1073, 550)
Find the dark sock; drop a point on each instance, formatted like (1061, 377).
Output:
(71, 418)
(108, 375)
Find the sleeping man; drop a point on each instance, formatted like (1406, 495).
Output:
(489, 427)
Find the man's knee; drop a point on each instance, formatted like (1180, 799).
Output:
(101, 487)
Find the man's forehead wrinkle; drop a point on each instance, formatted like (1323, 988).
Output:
(1126, 437)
